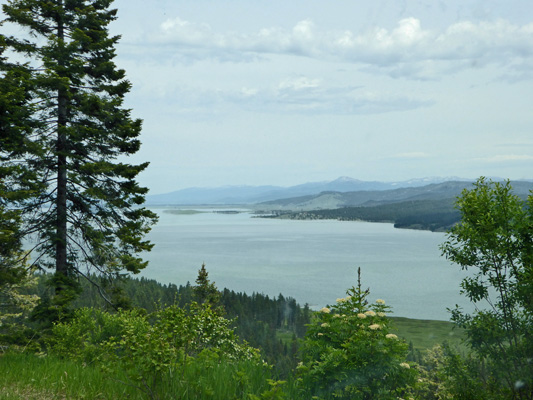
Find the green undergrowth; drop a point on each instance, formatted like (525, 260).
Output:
(27, 376)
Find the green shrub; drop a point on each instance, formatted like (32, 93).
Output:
(82, 337)
(160, 350)
(350, 353)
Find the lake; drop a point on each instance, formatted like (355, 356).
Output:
(312, 261)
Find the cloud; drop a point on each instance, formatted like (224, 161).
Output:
(300, 83)
(294, 95)
(504, 158)
(406, 50)
(412, 155)
(304, 95)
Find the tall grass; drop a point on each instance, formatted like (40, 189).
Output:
(26, 376)
(215, 381)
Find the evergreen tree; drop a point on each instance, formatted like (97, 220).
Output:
(11, 265)
(63, 139)
(206, 292)
(13, 121)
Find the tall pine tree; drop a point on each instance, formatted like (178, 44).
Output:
(80, 204)
(15, 123)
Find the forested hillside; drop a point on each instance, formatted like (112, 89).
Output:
(433, 215)
(274, 325)
(430, 207)
(364, 198)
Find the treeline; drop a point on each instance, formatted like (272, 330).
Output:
(433, 215)
(275, 325)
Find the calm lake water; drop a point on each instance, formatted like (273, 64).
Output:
(312, 261)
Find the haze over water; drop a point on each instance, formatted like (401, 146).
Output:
(312, 261)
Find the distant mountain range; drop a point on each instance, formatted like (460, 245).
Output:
(367, 198)
(249, 195)
(416, 204)
(430, 207)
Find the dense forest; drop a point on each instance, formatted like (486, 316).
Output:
(274, 325)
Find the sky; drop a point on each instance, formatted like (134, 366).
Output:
(245, 92)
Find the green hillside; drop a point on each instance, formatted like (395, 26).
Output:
(434, 215)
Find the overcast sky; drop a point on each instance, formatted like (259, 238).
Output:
(285, 92)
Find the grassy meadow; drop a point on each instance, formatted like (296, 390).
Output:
(424, 334)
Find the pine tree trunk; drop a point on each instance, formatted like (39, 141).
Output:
(61, 227)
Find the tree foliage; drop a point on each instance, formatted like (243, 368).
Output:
(257, 318)
(12, 97)
(206, 291)
(12, 269)
(494, 243)
(150, 348)
(350, 353)
(65, 134)
(14, 274)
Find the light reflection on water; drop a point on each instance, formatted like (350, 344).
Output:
(312, 261)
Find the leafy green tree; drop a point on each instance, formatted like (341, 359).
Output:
(494, 243)
(65, 132)
(350, 353)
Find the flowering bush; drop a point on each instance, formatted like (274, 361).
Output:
(349, 352)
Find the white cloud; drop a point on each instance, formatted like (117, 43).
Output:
(304, 30)
(188, 32)
(296, 96)
(248, 92)
(300, 83)
(406, 50)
